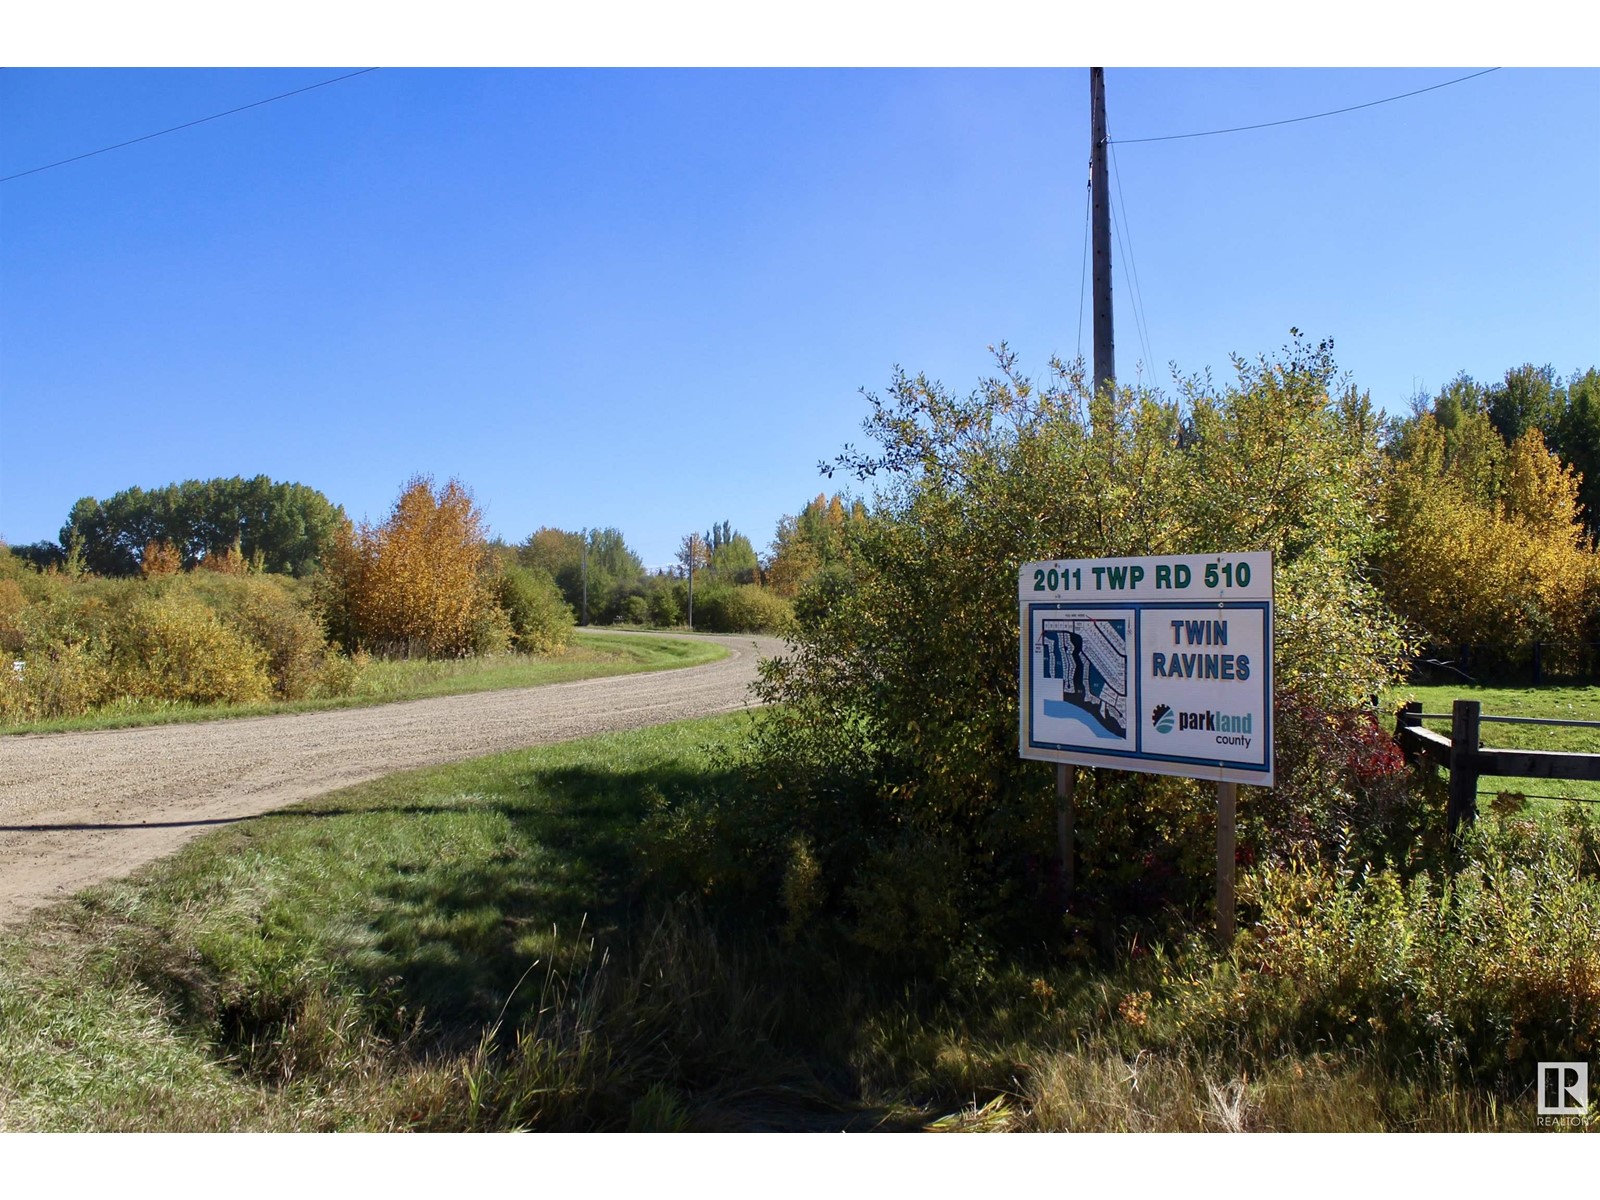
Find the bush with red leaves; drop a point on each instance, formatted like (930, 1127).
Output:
(1344, 789)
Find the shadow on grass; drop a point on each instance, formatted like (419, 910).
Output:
(541, 949)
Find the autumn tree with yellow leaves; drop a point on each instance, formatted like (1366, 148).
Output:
(1484, 543)
(415, 584)
(816, 538)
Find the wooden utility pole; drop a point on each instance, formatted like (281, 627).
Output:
(694, 553)
(1105, 378)
(1105, 366)
(585, 620)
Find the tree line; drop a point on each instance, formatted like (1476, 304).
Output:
(1487, 514)
(1482, 514)
(426, 580)
(282, 528)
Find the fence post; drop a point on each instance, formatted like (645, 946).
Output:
(1537, 672)
(1464, 715)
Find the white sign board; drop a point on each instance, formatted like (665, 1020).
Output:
(1160, 664)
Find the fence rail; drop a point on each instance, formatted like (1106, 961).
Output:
(1515, 720)
(1464, 756)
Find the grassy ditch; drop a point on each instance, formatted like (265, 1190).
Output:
(592, 655)
(491, 945)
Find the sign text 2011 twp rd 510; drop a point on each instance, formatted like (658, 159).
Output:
(1159, 664)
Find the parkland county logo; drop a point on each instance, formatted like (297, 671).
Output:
(1161, 718)
(1563, 1089)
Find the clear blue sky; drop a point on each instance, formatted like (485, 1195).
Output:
(648, 298)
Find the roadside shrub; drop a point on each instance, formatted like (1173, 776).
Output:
(12, 604)
(491, 631)
(65, 635)
(541, 622)
(339, 674)
(269, 612)
(14, 706)
(665, 608)
(173, 647)
(196, 637)
(741, 608)
(1485, 972)
(893, 745)
(61, 679)
(635, 611)
(1344, 791)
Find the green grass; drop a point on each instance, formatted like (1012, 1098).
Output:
(485, 945)
(376, 959)
(592, 655)
(1566, 703)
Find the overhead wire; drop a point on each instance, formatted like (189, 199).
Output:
(187, 125)
(1333, 112)
(1116, 228)
(1083, 271)
(1141, 314)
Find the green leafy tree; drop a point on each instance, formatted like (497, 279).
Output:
(816, 538)
(541, 621)
(612, 573)
(285, 527)
(41, 555)
(666, 607)
(1576, 438)
(892, 743)
(731, 557)
(1530, 397)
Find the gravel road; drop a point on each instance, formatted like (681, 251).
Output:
(79, 808)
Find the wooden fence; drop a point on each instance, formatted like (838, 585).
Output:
(1464, 756)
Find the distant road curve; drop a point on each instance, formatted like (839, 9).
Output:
(80, 808)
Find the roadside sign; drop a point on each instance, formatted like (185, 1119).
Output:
(1160, 664)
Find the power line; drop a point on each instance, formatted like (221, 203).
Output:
(1172, 137)
(1083, 271)
(186, 125)
(1138, 326)
(1141, 316)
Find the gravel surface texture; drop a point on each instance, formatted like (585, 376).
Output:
(79, 808)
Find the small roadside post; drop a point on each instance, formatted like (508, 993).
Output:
(1227, 804)
(1161, 664)
(1066, 784)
